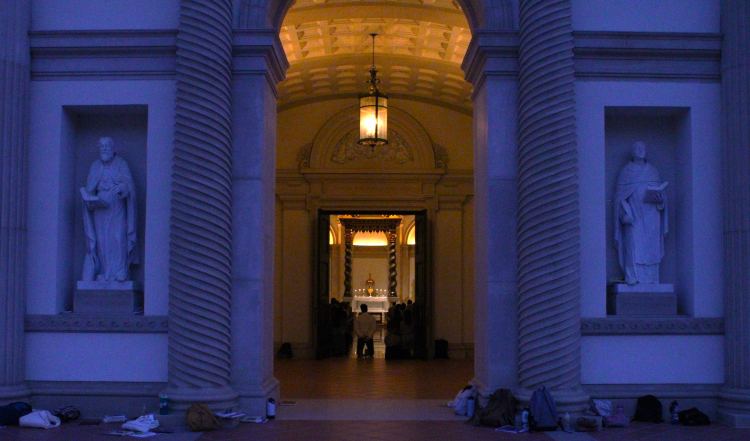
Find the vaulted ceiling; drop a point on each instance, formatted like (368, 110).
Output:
(418, 50)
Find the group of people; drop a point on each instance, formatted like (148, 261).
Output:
(401, 321)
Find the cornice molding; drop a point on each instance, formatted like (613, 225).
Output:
(633, 391)
(652, 326)
(491, 53)
(259, 52)
(647, 55)
(94, 55)
(97, 323)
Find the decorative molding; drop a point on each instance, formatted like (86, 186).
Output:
(357, 225)
(441, 156)
(652, 326)
(96, 55)
(348, 149)
(96, 388)
(259, 52)
(647, 56)
(548, 216)
(491, 53)
(126, 324)
(633, 391)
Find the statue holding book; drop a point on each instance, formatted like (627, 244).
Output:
(640, 218)
(109, 217)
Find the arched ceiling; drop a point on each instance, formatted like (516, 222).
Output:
(418, 50)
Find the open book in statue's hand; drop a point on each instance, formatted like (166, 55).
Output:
(92, 201)
(654, 193)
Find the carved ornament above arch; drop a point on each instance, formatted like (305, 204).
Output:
(409, 149)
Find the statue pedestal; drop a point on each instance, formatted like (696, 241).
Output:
(641, 300)
(108, 297)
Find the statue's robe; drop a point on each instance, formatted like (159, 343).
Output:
(640, 245)
(111, 231)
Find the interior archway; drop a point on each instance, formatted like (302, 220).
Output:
(418, 50)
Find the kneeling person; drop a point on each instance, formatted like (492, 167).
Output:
(364, 329)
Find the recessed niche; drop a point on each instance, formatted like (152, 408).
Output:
(666, 133)
(82, 127)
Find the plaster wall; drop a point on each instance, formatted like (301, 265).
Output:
(646, 15)
(651, 359)
(96, 357)
(697, 198)
(49, 15)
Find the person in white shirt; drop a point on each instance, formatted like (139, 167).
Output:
(364, 329)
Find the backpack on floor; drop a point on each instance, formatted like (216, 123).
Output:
(12, 413)
(693, 417)
(648, 409)
(285, 351)
(499, 411)
(542, 411)
(460, 403)
(199, 418)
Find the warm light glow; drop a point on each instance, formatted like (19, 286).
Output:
(373, 119)
(370, 239)
(410, 238)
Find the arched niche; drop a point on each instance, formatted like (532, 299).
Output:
(409, 147)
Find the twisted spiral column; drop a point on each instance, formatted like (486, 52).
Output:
(15, 20)
(392, 273)
(201, 234)
(734, 405)
(348, 264)
(548, 232)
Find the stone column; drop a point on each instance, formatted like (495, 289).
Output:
(349, 238)
(392, 273)
(491, 65)
(734, 403)
(549, 328)
(15, 21)
(201, 213)
(259, 64)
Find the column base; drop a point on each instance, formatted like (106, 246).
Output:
(253, 400)
(219, 398)
(14, 392)
(573, 401)
(734, 408)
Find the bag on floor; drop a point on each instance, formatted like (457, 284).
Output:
(39, 419)
(285, 351)
(648, 409)
(12, 413)
(602, 408)
(460, 403)
(542, 411)
(67, 413)
(500, 410)
(617, 419)
(693, 417)
(199, 418)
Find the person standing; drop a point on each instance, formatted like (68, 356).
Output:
(364, 329)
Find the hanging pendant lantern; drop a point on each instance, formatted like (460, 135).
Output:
(373, 110)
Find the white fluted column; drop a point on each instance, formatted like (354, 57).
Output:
(15, 21)
(201, 221)
(549, 329)
(734, 405)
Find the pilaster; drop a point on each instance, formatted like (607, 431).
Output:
(258, 65)
(734, 403)
(549, 330)
(200, 282)
(15, 21)
(491, 65)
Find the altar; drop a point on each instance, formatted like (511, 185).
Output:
(375, 305)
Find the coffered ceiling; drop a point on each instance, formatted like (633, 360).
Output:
(418, 50)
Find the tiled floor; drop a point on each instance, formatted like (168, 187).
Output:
(373, 400)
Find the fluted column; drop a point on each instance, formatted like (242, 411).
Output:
(349, 238)
(549, 329)
(392, 273)
(734, 406)
(15, 20)
(201, 220)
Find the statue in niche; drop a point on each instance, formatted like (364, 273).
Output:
(109, 217)
(640, 217)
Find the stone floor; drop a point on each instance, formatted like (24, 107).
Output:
(399, 401)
